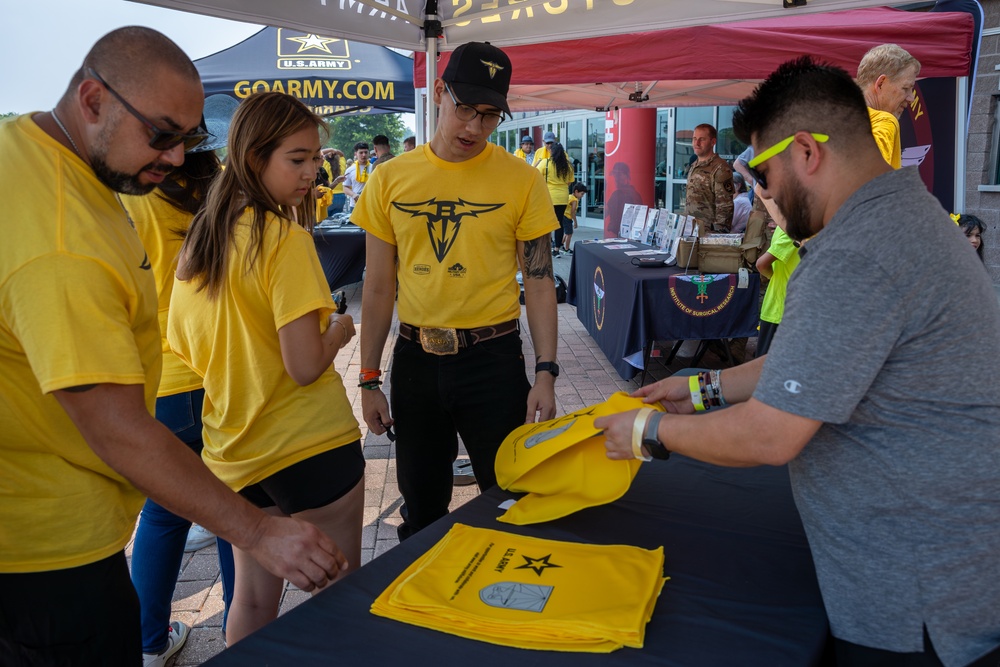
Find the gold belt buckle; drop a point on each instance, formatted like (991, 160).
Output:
(439, 341)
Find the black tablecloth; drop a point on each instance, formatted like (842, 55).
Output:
(742, 591)
(342, 254)
(625, 308)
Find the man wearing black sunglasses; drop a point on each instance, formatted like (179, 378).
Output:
(80, 365)
(456, 216)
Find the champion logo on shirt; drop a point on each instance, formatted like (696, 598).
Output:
(444, 219)
(793, 386)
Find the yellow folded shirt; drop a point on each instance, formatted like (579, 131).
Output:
(529, 592)
(562, 466)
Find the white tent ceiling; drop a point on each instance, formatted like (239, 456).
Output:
(399, 23)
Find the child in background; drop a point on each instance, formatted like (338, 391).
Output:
(569, 222)
(973, 228)
(777, 263)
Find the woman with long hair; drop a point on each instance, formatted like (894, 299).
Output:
(558, 173)
(252, 314)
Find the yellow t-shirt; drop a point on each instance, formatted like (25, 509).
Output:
(455, 226)
(160, 225)
(885, 129)
(77, 306)
(558, 187)
(572, 204)
(257, 419)
(324, 197)
(540, 154)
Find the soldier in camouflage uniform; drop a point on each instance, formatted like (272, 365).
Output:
(709, 184)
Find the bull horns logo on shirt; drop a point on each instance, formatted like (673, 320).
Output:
(439, 214)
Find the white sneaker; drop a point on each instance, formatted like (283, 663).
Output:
(177, 634)
(198, 538)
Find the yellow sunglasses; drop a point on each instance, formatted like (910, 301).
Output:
(777, 149)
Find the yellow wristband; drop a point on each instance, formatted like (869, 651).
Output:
(695, 388)
(638, 426)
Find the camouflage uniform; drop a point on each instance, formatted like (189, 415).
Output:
(710, 195)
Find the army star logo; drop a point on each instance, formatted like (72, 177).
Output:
(444, 219)
(533, 564)
(314, 42)
(493, 67)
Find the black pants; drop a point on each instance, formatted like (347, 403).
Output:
(764, 337)
(480, 393)
(87, 615)
(559, 210)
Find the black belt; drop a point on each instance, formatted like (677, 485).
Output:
(447, 341)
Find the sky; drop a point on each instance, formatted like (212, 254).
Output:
(45, 41)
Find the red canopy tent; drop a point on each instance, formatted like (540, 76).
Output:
(719, 64)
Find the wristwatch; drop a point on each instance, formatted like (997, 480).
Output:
(651, 440)
(550, 366)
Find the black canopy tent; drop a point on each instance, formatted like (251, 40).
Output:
(332, 76)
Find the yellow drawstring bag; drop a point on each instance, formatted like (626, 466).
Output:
(529, 592)
(561, 464)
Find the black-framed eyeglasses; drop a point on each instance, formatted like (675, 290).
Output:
(466, 113)
(161, 140)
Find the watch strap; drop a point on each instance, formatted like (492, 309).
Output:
(651, 439)
(550, 366)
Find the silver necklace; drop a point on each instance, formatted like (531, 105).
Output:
(64, 131)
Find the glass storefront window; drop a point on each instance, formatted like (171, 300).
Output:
(728, 146)
(662, 163)
(687, 119)
(595, 167)
(574, 147)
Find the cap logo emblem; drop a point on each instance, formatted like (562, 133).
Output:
(493, 67)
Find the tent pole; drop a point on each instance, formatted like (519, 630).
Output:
(432, 32)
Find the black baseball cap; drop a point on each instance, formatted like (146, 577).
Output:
(479, 73)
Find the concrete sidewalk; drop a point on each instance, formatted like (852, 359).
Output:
(586, 378)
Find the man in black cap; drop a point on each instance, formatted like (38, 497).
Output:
(439, 225)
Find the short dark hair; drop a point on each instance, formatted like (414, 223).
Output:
(381, 140)
(361, 146)
(410, 140)
(804, 95)
(580, 187)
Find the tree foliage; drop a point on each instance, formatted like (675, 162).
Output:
(347, 130)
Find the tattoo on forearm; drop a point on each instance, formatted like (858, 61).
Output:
(537, 260)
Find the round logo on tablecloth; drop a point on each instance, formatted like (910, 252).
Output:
(690, 293)
(599, 298)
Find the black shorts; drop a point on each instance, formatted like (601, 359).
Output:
(312, 483)
(567, 226)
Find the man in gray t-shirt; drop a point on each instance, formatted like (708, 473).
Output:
(880, 390)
